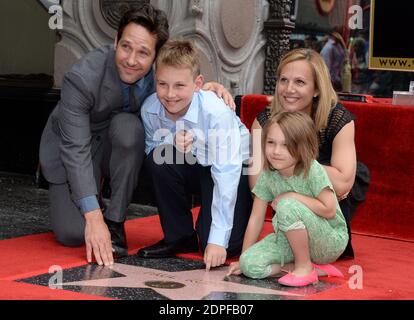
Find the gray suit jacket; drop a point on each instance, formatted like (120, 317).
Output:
(91, 95)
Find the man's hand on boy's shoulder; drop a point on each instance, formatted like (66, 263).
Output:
(221, 92)
(214, 256)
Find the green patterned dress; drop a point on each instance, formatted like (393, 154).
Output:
(327, 237)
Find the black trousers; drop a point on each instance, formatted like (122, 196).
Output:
(117, 153)
(173, 186)
(346, 211)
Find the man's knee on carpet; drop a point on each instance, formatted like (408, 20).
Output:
(70, 237)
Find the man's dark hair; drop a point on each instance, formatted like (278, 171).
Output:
(145, 15)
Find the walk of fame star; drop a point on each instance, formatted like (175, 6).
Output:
(183, 285)
(134, 278)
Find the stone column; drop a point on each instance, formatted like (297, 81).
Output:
(277, 29)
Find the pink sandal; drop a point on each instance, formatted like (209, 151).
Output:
(291, 280)
(329, 269)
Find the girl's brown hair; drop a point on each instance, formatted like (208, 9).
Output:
(300, 138)
(327, 97)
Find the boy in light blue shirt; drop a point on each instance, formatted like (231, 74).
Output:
(195, 144)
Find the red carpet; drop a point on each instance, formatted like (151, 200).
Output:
(387, 267)
(387, 264)
(28, 256)
(384, 142)
(32, 255)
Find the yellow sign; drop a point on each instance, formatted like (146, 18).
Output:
(389, 45)
(403, 64)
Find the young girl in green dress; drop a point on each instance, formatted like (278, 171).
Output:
(309, 227)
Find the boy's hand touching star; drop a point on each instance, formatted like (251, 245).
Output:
(214, 256)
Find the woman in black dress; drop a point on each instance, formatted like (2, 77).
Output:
(303, 84)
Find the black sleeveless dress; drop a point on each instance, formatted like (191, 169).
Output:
(337, 119)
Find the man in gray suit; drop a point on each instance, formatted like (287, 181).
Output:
(95, 131)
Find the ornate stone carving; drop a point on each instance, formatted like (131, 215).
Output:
(279, 9)
(196, 8)
(238, 28)
(231, 41)
(277, 29)
(112, 10)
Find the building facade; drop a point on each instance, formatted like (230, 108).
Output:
(229, 35)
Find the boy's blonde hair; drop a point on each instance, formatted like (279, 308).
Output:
(300, 138)
(179, 53)
(327, 97)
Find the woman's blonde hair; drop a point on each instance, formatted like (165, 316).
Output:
(327, 97)
(300, 138)
(179, 53)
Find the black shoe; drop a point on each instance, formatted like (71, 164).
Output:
(166, 250)
(118, 238)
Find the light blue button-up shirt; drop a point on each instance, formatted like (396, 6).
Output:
(220, 140)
